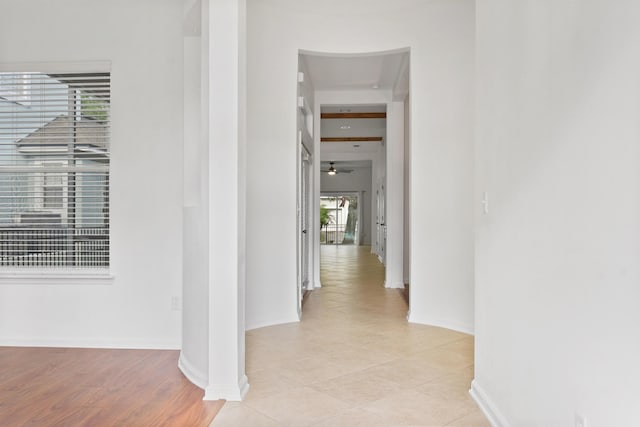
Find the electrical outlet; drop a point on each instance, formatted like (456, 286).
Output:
(485, 203)
(176, 303)
(580, 420)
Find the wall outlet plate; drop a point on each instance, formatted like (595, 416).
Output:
(176, 303)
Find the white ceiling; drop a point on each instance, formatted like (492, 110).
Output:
(353, 108)
(353, 164)
(353, 127)
(383, 71)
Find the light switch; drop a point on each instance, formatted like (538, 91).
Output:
(485, 203)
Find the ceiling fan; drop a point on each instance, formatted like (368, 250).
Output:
(333, 170)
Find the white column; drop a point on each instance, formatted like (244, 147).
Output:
(194, 354)
(227, 109)
(394, 218)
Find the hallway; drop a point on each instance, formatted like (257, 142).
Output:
(354, 360)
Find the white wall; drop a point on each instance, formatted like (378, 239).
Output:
(394, 196)
(194, 355)
(557, 255)
(440, 35)
(305, 113)
(146, 172)
(356, 181)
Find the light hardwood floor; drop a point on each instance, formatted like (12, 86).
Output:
(354, 360)
(70, 387)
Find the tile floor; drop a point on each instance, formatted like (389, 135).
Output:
(354, 360)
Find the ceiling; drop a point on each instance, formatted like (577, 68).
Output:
(384, 71)
(371, 72)
(352, 164)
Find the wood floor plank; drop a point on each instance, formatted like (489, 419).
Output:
(98, 387)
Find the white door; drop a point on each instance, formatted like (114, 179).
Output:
(305, 217)
(304, 250)
(380, 224)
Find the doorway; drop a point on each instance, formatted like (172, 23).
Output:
(381, 227)
(359, 165)
(304, 222)
(339, 219)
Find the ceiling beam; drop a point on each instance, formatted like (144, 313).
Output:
(352, 139)
(353, 115)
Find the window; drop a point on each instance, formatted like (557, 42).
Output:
(15, 87)
(54, 170)
(52, 191)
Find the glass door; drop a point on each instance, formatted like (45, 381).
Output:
(339, 219)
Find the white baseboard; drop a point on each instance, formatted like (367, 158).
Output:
(194, 375)
(277, 322)
(117, 344)
(229, 392)
(456, 326)
(487, 406)
(307, 286)
(396, 285)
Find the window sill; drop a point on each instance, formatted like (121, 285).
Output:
(55, 277)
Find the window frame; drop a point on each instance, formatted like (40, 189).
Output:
(44, 275)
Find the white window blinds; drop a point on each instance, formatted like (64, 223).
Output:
(54, 170)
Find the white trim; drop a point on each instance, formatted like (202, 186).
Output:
(465, 328)
(307, 285)
(487, 406)
(278, 322)
(194, 375)
(230, 392)
(57, 277)
(87, 342)
(394, 285)
(57, 67)
(354, 55)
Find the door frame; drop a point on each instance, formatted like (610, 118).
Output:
(358, 196)
(304, 219)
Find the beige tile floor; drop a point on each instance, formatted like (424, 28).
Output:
(354, 360)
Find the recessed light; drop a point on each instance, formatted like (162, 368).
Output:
(375, 86)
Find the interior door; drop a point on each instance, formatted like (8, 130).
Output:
(380, 224)
(303, 213)
(305, 218)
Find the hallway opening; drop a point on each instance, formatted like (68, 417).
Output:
(354, 360)
(340, 219)
(353, 118)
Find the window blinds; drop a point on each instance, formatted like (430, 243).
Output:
(54, 169)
